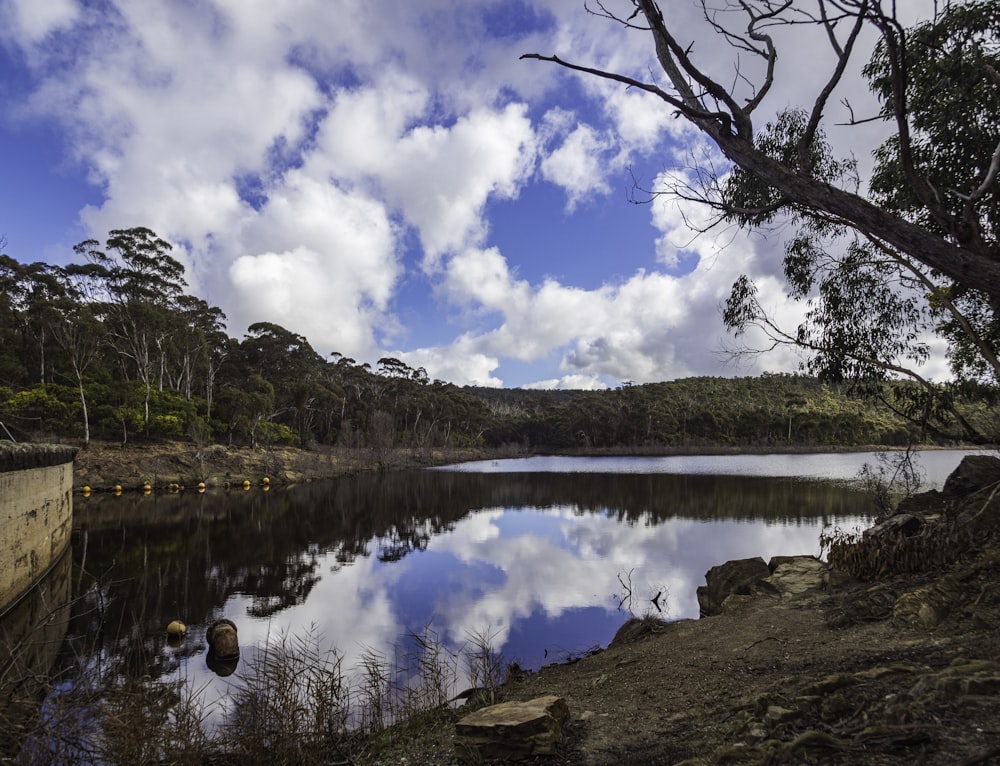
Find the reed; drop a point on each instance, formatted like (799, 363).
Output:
(295, 703)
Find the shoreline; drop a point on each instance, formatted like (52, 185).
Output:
(172, 466)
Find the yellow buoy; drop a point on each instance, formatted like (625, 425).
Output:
(246, 484)
(86, 490)
(176, 629)
(146, 489)
(265, 481)
(118, 489)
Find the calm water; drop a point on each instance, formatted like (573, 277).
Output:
(549, 556)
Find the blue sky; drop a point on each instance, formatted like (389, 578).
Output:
(384, 178)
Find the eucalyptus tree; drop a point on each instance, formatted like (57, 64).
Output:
(881, 266)
(290, 364)
(30, 293)
(78, 332)
(138, 286)
(196, 348)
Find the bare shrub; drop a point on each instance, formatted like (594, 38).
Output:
(487, 669)
(895, 475)
(291, 706)
(375, 692)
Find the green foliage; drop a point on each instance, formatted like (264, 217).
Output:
(161, 366)
(269, 433)
(952, 97)
(872, 310)
(749, 199)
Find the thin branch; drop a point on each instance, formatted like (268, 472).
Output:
(820, 103)
(681, 106)
(984, 348)
(678, 65)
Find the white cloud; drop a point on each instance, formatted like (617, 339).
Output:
(461, 362)
(579, 165)
(311, 158)
(438, 177)
(569, 383)
(32, 21)
(326, 266)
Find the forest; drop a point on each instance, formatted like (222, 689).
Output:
(113, 348)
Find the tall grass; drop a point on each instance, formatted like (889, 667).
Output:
(290, 706)
(294, 703)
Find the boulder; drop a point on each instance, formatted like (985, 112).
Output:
(927, 505)
(793, 575)
(740, 577)
(974, 473)
(899, 525)
(927, 605)
(511, 731)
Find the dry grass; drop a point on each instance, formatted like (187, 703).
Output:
(295, 703)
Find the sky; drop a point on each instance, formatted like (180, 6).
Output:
(391, 179)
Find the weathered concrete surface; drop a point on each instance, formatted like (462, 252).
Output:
(31, 634)
(36, 514)
(21, 457)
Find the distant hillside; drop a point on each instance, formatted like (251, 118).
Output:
(767, 411)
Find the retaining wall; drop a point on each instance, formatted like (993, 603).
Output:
(36, 514)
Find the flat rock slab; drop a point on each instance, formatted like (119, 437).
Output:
(795, 575)
(512, 730)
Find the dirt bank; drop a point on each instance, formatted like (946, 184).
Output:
(102, 466)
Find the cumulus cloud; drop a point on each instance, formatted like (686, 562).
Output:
(569, 383)
(577, 165)
(33, 21)
(309, 158)
(326, 267)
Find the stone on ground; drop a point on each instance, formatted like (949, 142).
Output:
(512, 730)
(739, 577)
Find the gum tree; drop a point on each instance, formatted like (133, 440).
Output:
(914, 253)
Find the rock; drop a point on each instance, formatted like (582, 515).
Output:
(777, 714)
(777, 561)
(793, 575)
(927, 606)
(637, 628)
(927, 505)
(176, 631)
(223, 643)
(974, 473)
(902, 524)
(512, 730)
(871, 604)
(961, 678)
(740, 577)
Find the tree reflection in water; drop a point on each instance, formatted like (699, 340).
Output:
(150, 559)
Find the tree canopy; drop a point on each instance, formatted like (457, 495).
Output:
(882, 267)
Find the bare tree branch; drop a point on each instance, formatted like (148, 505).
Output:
(963, 255)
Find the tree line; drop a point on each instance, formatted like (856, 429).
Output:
(114, 348)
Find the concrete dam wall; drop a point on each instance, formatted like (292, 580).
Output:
(36, 514)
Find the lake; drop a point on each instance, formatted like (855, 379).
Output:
(546, 556)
